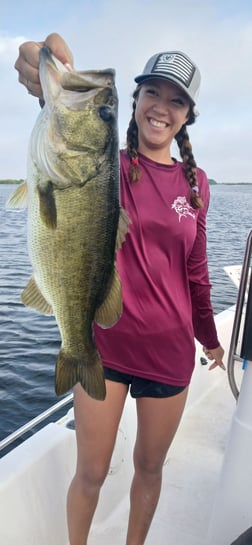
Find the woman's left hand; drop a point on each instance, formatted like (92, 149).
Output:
(215, 354)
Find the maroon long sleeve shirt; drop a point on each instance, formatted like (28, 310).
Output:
(164, 273)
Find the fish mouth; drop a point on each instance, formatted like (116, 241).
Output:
(88, 80)
(51, 69)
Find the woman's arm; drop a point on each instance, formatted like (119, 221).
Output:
(200, 287)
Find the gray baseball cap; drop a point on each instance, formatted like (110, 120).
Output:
(176, 67)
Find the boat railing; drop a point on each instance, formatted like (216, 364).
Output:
(35, 422)
(242, 300)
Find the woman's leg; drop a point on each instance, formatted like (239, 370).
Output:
(96, 428)
(158, 420)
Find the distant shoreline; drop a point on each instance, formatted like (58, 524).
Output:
(211, 182)
(11, 182)
(229, 183)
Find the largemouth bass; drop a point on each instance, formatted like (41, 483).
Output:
(75, 223)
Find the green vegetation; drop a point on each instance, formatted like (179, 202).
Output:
(213, 182)
(11, 181)
(237, 183)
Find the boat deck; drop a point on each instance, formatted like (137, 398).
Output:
(190, 477)
(192, 470)
(35, 476)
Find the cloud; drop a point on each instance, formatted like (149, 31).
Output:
(220, 42)
(124, 35)
(16, 113)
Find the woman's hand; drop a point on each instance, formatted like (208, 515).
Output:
(27, 63)
(215, 354)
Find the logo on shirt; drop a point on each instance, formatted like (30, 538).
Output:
(182, 208)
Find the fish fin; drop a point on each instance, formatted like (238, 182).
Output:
(47, 206)
(19, 197)
(123, 228)
(32, 297)
(70, 370)
(111, 309)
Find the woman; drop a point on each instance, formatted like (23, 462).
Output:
(166, 290)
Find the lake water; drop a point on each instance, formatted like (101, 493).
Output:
(29, 342)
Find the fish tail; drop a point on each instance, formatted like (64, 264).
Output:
(70, 370)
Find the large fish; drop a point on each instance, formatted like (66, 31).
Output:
(75, 223)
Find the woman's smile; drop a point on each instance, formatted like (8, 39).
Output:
(157, 123)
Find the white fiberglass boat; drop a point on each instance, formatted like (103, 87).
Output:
(207, 480)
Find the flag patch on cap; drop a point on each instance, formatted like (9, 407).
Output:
(176, 65)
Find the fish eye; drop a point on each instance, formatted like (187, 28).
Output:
(106, 113)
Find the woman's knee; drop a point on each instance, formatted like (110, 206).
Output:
(92, 475)
(148, 465)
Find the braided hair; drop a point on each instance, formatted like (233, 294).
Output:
(185, 148)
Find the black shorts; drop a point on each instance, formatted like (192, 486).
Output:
(143, 387)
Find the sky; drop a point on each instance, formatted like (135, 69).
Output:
(123, 34)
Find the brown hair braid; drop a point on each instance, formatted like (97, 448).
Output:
(185, 148)
(132, 143)
(184, 145)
